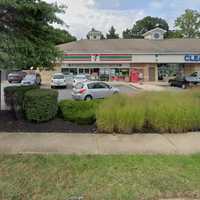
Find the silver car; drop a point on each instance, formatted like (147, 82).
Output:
(31, 79)
(93, 90)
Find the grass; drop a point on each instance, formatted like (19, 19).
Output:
(160, 112)
(56, 177)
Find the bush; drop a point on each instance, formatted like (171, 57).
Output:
(14, 97)
(40, 105)
(80, 112)
(150, 112)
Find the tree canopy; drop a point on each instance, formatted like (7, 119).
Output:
(189, 24)
(112, 33)
(27, 36)
(144, 25)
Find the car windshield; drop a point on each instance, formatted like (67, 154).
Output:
(29, 77)
(58, 76)
(194, 74)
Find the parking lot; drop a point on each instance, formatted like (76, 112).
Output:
(66, 93)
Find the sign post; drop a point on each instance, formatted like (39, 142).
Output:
(0, 89)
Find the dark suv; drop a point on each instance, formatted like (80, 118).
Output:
(16, 76)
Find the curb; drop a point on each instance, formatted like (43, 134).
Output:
(138, 88)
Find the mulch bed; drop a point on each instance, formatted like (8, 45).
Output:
(8, 123)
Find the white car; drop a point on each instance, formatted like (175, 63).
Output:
(58, 80)
(79, 79)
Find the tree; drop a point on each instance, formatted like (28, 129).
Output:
(27, 35)
(174, 34)
(189, 24)
(112, 33)
(62, 36)
(146, 24)
(127, 34)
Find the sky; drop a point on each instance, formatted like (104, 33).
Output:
(82, 15)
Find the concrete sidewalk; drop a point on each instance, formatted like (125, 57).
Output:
(49, 143)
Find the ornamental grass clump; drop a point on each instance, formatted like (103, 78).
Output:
(118, 115)
(173, 112)
(159, 112)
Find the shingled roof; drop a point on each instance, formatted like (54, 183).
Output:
(134, 46)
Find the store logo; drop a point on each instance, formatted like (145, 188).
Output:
(192, 58)
(95, 58)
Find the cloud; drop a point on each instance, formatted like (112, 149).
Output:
(82, 15)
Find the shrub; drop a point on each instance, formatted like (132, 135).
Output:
(150, 112)
(80, 112)
(40, 105)
(14, 96)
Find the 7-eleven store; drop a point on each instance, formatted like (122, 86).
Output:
(104, 66)
(123, 60)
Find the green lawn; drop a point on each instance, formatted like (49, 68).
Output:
(27, 177)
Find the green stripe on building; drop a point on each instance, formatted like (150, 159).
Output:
(77, 57)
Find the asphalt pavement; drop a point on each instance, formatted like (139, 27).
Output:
(66, 93)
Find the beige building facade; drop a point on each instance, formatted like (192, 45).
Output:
(126, 59)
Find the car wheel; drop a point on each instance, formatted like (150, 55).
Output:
(88, 98)
(184, 86)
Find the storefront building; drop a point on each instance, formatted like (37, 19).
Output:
(124, 59)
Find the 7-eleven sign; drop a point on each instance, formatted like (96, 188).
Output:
(95, 58)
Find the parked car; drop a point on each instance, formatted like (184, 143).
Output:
(185, 81)
(79, 78)
(58, 80)
(194, 78)
(16, 76)
(179, 81)
(32, 79)
(93, 90)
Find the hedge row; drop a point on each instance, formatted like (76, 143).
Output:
(80, 112)
(14, 98)
(35, 104)
(40, 105)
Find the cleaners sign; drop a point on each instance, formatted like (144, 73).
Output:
(192, 58)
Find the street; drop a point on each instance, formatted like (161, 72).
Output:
(66, 93)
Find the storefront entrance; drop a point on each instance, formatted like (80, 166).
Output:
(103, 72)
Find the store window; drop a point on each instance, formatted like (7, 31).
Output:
(120, 74)
(167, 71)
(69, 71)
(81, 71)
(104, 74)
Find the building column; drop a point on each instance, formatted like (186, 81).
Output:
(156, 73)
